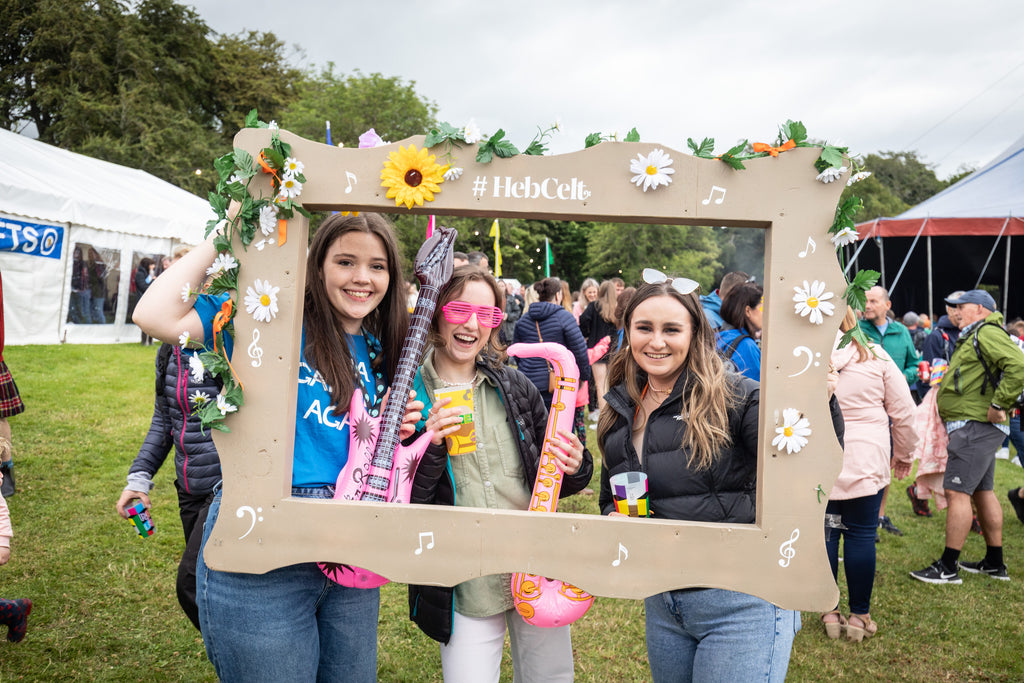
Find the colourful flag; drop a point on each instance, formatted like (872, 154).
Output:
(496, 234)
(430, 226)
(548, 257)
(329, 134)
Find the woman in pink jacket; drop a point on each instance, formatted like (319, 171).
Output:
(877, 407)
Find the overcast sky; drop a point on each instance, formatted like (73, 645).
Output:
(943, 78)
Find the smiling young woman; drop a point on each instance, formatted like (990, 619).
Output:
(692, 428)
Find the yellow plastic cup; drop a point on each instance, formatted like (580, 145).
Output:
(464, 440)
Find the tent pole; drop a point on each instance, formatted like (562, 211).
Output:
(863, 241)
(1006, 276)
(907, 258)
(991, 252)
(881, 260)
(931, 294)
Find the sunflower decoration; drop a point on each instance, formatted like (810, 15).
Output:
(412, 176)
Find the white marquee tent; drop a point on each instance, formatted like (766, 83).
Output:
(56, 205)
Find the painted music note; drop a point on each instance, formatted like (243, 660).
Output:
(800, 350)
(255, 352)
(786, 549)
(623, 555)
(256, 517)
(351, 177)
(430, 543)
(811, 246)
(714, 189)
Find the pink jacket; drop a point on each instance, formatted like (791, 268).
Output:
(871, 394)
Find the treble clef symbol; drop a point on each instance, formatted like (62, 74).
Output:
(255, 352)
(786, 549)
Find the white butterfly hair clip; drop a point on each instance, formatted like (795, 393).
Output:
(683, 285)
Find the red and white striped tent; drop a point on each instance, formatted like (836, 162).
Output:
(962, 238)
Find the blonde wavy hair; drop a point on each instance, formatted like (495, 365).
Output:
(849, 322)
(707, 395)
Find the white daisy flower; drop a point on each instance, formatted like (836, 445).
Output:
(268, 219)
(652, 170)
(472, 132)
(857, 177)
(223, 406)
(199, 399)
(263, 243)
(845, 236)
(290, 187)
(261, 301)
(453, 173)
(558, 125)
(273, 125)
(812, 300)
(234, 179)
(195, 366)
(184, 339)
(792, 435)
(222, 263)
(292, 167)
(831, 173)
(187, 293)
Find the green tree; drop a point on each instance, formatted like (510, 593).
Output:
(617, 250)
(355, 103)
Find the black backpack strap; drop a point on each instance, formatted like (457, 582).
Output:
(989, 377)
(730, 350)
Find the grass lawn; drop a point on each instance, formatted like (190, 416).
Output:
(105, 607)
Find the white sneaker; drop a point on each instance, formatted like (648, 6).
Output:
(1003, 453)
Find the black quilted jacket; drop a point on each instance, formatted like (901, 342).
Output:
(432, 607)
(196, 463)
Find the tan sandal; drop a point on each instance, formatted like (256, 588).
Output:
(834, 629)
(867, 628)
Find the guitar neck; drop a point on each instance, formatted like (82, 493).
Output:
(408, 362)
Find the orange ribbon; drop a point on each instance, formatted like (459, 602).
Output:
(219, 322)
(282, 231)
(774, 151)
(265, 165)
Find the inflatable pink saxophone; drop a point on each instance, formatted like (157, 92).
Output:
(379, 466)
(541, 601)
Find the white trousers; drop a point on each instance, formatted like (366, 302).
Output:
(473, 655)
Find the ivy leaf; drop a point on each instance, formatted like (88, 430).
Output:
(832, 156)
(845, 214)
(496, 145)
(244, 162)
(536, 148)
(705, 149)
(224, 165)
(793, 130)
(729, 156)
(219, 204)
(444, 132)
(252, 120)
(633, 136)
(274, 157)
(856, 291)
(484, 154)
(593, 139)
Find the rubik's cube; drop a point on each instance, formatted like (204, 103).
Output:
(138, 516)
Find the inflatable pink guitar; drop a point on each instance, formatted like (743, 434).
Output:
(541, 601)
(379, 467)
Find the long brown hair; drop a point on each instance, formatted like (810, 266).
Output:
(326, 347)
(849, 322)
(605, 301)
(494, 353)
(706, 393)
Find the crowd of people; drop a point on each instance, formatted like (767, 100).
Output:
(673, 380)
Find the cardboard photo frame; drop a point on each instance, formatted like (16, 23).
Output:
(780, 557)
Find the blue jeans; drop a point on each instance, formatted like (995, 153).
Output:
(860, 517)
(1017, 438)
(710, 634)
(290, 624)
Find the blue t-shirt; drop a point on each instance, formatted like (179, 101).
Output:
(321, 439)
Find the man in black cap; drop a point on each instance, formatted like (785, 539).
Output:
(981, 385)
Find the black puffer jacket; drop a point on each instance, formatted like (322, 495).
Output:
(196, 462)
(432, 607)
(723, 493)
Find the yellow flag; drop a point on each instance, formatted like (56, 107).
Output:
(496, 234)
